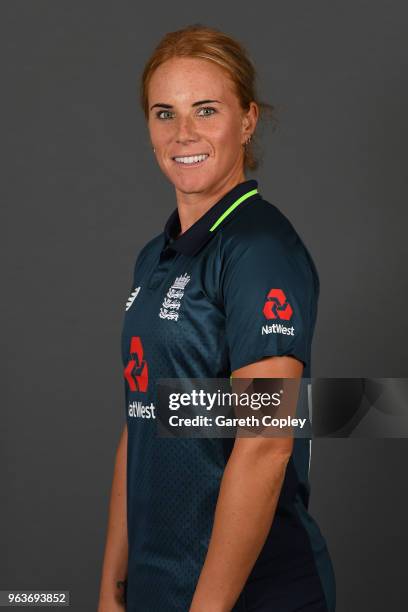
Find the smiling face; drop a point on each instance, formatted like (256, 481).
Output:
(197, 125)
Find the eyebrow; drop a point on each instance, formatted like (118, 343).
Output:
(162, 105)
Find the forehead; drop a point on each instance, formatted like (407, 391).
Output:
(188, 78)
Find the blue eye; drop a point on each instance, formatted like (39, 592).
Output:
(208, 108)
(159, 113)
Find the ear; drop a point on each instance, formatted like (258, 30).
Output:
(249, 121)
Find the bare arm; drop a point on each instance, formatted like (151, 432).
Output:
(246, 505)
(115, 561)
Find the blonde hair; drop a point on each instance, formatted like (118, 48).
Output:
(208, 43)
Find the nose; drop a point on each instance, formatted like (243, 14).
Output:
(186, 131)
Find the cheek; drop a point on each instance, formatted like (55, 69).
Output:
(159, 132)
(227, 133)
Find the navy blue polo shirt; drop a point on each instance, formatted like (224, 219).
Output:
(237, 286)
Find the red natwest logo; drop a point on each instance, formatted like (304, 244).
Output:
(277, 306)
(136, 372)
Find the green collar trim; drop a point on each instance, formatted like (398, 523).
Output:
(232, 207)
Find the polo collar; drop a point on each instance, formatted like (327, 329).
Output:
(192, 240)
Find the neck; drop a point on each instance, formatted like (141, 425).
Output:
(192, 206)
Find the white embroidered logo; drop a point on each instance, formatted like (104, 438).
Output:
(171, 303)
(132, 297)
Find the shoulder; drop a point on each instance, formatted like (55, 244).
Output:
(260, 235)
(260, 222)
(149, 250)
(260, 216)
(155, 244)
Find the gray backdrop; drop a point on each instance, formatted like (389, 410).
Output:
(81, 195)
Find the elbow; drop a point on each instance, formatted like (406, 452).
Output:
(276, 450)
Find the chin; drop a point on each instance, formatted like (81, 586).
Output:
(191, 184)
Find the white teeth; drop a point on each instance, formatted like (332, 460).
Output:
(191, 160)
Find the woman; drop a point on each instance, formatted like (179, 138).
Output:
(212, 524)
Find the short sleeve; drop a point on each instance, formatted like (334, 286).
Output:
(269, 289)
